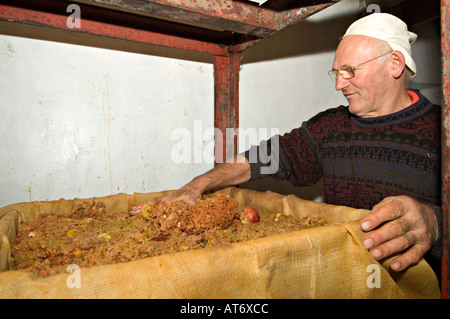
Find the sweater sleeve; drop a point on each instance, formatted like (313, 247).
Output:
(292, 157)
(302, 153)
(296, 156)
(268, 159)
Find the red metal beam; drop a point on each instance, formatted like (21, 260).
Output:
(58, 20)
(445, 47)
(237, 16)
(226, 104)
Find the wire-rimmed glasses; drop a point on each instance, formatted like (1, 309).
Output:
(347, 71)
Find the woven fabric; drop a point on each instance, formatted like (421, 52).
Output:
(324, 262)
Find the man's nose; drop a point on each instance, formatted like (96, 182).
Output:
(341, 83)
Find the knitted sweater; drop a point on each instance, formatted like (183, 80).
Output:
(362, 160)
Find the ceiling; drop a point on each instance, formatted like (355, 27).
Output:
(413, 12)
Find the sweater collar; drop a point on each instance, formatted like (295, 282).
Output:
(419, 106)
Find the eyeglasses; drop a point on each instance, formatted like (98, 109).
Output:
(347, 71)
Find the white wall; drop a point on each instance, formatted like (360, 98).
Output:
(78, 121)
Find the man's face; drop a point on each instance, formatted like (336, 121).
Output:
(366, 93)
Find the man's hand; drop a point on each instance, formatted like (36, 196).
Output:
(400, 224)
(225, 174)
(187, 194)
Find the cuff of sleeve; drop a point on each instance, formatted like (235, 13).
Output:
(436, 247)
(255, 166)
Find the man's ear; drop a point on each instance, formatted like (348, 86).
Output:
(397, 64)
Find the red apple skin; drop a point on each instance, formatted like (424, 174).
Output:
(251, 214)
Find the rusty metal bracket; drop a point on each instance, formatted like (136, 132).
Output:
(226, 106)
(113, 24)
(242, 17)
(445, 48)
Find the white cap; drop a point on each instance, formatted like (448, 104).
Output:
(389, 28)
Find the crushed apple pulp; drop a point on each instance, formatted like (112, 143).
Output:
(90, 236)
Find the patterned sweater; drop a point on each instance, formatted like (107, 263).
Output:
(363, 160)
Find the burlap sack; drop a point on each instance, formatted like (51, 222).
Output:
(325, 262)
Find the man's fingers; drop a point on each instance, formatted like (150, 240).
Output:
(399, 225)
(175, 197)
(172, 197)
(137, 209)
(408, 244)
(392, 229)
(386, 210)
(411, 257)
(187, 196)
(390, 247)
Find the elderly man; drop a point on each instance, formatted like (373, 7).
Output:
(381, 153)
